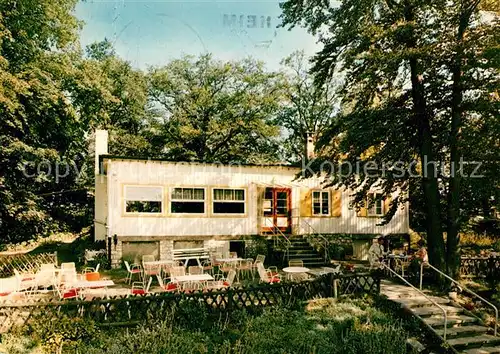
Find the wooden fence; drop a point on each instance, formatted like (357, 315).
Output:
(131, 310)
(24, 262)
(480, 267)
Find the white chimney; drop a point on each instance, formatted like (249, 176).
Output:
(101, 146)
(309, 153)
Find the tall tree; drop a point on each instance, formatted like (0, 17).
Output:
(417, 74)
(307, 108)
(217, 111)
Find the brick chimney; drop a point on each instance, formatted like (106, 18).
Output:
(101, 146)
(309, 148)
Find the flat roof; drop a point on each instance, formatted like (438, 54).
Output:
(194, 162)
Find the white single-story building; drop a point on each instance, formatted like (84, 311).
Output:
(158, 205)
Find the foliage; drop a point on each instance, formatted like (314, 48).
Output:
(307, 107)
(330, 327)
(216, 111)
(420, 84)
(62, 333)
(255, 246)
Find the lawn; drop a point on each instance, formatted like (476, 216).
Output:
(322, 326)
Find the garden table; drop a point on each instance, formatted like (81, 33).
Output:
(229, 260)
(295, 270)
(193, 277)
(93, 284)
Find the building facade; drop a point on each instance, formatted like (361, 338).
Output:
(155, 206)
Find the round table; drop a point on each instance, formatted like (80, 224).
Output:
(229, 260)
(295, 270)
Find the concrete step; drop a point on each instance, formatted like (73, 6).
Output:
(434, 310)
(307, 254)
(398, 295)
(473, 342)
(464, 331)
(482, 350)
(421, 301)
(436, 321)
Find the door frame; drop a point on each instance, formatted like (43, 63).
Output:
(275, 215)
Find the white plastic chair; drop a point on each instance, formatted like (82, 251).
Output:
(267, 276)
(131, 271)
(139, 288)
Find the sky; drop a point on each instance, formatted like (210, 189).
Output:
(153, 32)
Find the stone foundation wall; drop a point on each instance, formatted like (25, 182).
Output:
(166, 247)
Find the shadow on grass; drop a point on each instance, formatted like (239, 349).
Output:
(67, 252)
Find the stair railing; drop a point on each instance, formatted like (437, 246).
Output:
(281, 239)
(445, 320)
(325, 241)
(461, 286)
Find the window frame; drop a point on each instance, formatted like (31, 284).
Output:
(171, 200)
(132, 213)
(321, 191)
(368, 208)
(244, 201)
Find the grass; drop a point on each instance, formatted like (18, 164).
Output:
(323, 326)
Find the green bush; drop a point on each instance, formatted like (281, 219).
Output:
(325, 326)
(66, 332)
(255, 246)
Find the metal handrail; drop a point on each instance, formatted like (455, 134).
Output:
(275, 234)
(315, 232)
(463, 287)
(427, 297)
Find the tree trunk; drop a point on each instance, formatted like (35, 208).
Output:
(452, 237)
(435, 241)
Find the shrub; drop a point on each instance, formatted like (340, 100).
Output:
(65, 332)
(325, 326)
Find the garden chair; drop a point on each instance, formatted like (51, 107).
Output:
(296, 263)
(68, 265)
(168, 286)
(131, 271)
(177, 271)
(266, 276)
(207, 266)
(193, 270)
(67, 275)
(138, 288)
(191, 286)
(213, 259)
(66, 291)
(233, 255)
(226, 267)
(229, 281)
(246, 266)
(260, 258)
(400, 266)
(91, 269)
(151, 270)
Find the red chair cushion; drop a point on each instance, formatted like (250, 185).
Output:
(135, 271)
(4, 294)
(274, 280)
(28, 279)
(138, 292)
(171, 287)
(226, 283)
(70, 293)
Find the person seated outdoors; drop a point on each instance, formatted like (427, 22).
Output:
(422, 252)
(376, 253)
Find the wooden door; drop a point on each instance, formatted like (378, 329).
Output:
(277, 210)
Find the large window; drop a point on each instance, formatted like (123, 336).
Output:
(375, 206)
(143, 199)
(321, 202)
(188, 200)
(229, 201)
